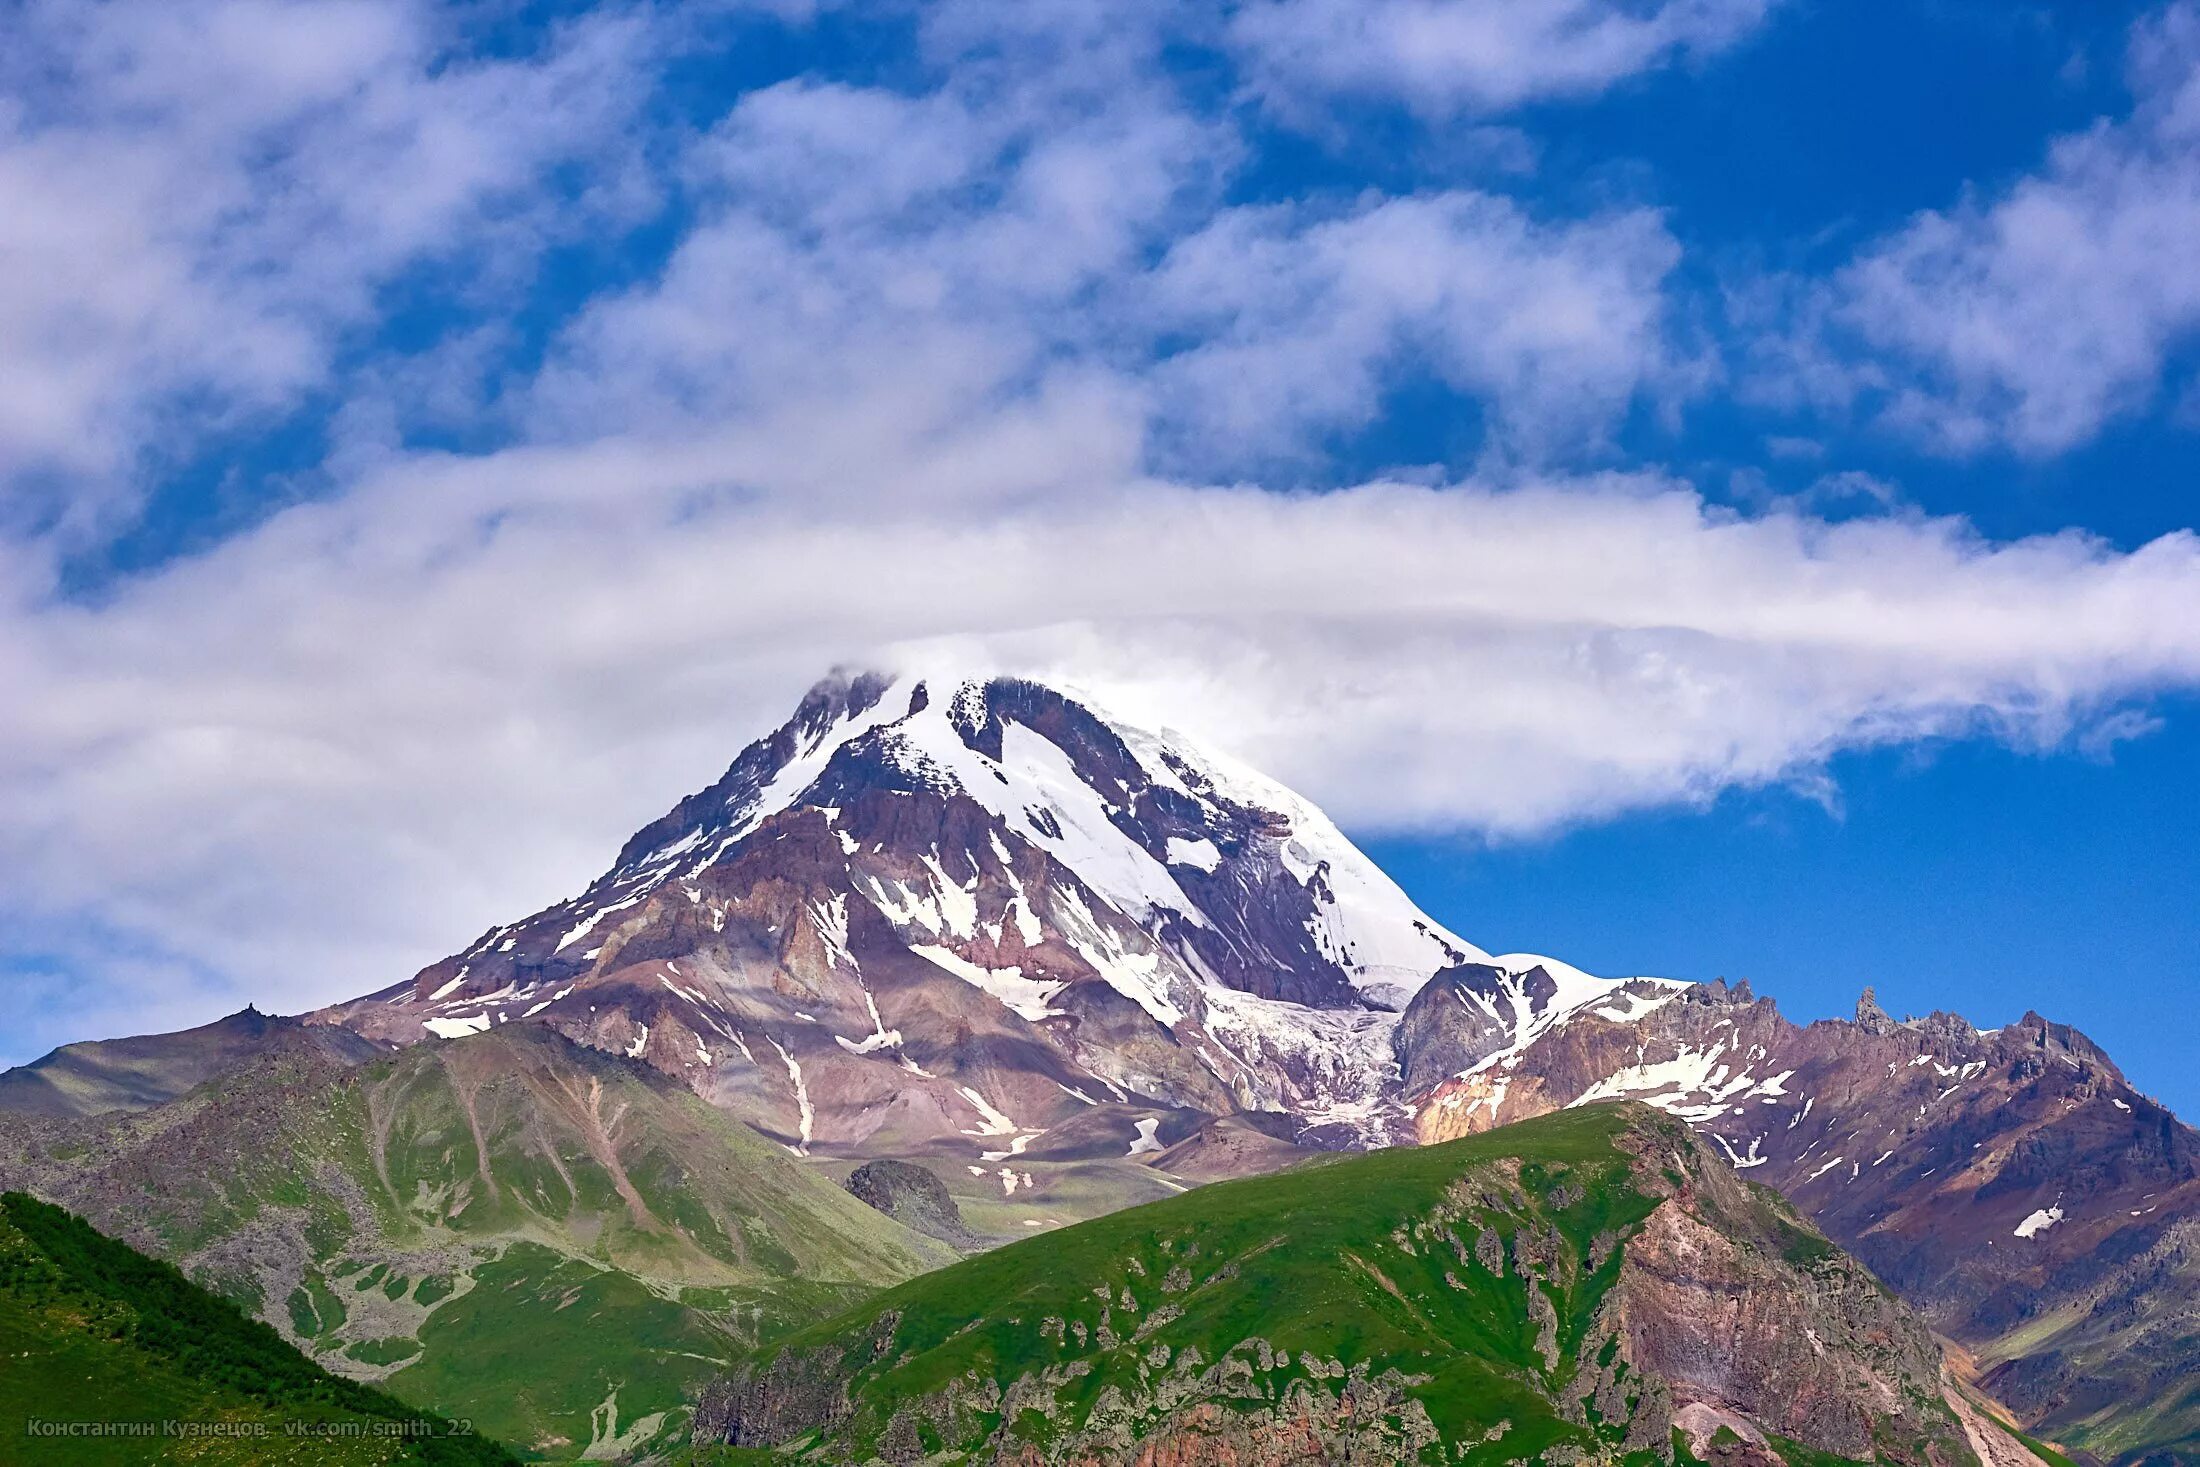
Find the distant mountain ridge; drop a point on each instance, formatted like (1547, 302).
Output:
(2010, 1182)
(145, 1070)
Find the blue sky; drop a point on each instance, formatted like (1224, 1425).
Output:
(1700, 486)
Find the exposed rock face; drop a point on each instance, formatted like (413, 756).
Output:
(1769, 1327)
(1234, 1146)
(759, 1405)
(1450, 1025)
(2012, 1184)
(1473, 1013)
(148, 1069)
(913, 1197)
(1579, 1285)
(1870, 1017)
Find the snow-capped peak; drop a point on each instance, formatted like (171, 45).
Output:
(1065, 792)
(1143, 915)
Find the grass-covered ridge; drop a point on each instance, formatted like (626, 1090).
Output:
(557, 1243)
(93, 1330)
(1457, 1303)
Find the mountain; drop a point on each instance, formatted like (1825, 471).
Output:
(95, 1332)
(1594, 1286)
(552, 1242)
(147, 1069)
(2011, 1183)
(923, 912)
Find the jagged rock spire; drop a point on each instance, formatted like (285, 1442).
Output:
(1870, 1017)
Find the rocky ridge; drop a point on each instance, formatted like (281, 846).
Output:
(2011, 1183)
(145, 1070)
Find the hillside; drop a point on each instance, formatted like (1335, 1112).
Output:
(2012, 1184)
(549, 1240)
(94, 1331)
(1591, 1286)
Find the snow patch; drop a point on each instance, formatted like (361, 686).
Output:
(1692, 1085)
(1741, 1163)
(1202, 853)
(1027, 997)
(831, 920)
(801, 1095)
(990, 1121)
(880, 1036)
(1135, 975)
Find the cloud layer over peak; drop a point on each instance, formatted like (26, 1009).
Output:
(432, 440)
(326, 751)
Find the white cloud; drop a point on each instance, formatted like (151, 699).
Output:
(915, 252)
(1299, 324)
(340, 746)
(1445, 58)
(1024, 236)
(2030, 317)
(198, 197)
(213, 193)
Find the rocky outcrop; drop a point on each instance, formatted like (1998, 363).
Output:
(802, 1389)
(1451, 1025)
(913, 1197)
(1745, 1315)
(1242, 1145)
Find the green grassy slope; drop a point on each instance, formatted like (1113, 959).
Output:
(1459, 1303)
(93, 1331)
(551, 1241)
